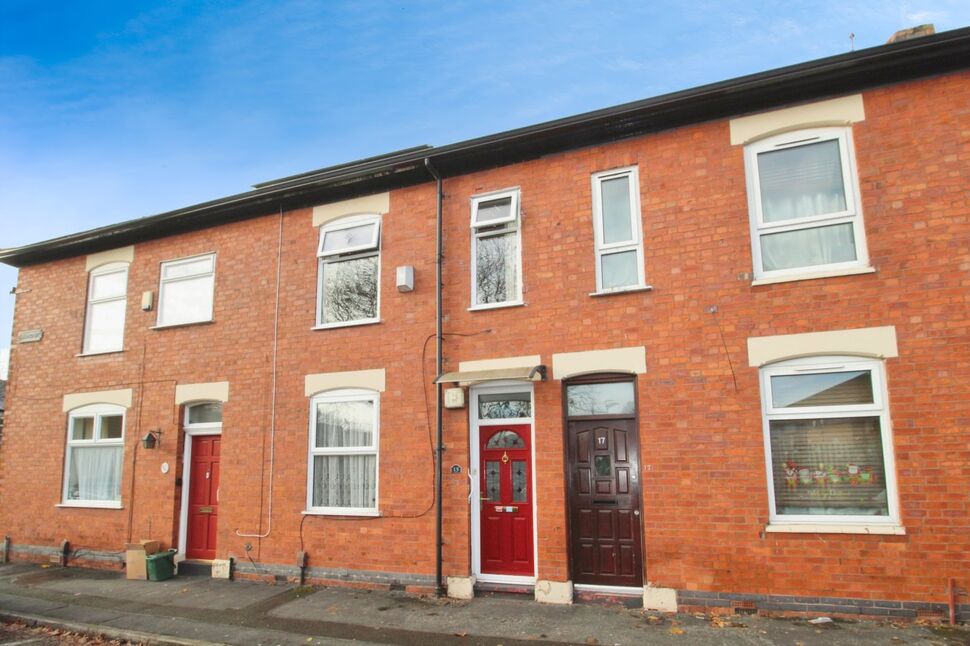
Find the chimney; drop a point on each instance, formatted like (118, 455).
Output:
(913, 32)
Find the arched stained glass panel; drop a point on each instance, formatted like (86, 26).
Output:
(505, 440)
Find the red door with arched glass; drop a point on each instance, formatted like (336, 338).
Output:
(506, 500)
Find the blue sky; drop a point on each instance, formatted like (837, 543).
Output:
(115, 110)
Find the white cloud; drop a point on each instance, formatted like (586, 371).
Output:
(922, 17)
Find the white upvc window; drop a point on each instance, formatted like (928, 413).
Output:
(348, 274)
(618, 230)
(828, 442)
(186, 290)
(804, 205)
(104, 321)
(344, 441)
(496, 249)
(95, 449)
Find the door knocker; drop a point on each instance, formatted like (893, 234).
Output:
(505, 458)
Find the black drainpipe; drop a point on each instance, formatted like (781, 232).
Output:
(439, 449)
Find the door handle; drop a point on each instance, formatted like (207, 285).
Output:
(636, 512)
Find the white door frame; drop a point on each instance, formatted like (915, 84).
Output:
(191, 431)
(475, 501)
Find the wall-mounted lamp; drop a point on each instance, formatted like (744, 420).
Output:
(152, 438)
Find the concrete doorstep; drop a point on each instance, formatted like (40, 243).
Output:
(200, 610)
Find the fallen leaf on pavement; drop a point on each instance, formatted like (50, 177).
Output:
(676, 631)
(719, 621)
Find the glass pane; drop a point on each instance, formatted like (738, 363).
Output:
(824, 389)
(498, 209)
(345, 424)
(345, 481)
(829, 467)
(801, 182)
(106, 326)
(504, 406)
(519, 486)
(349, 290)
(350, 238)
(493, 491)
(82, 428)
(603, 465)
(187, 268)
(187, 301)
(94, 473)
(600, 399)
(619, 269)
(111, 427)
(808, 247)
(505, 440)
(617, 224)
(205, 413)
(109, 285)
(496, 259)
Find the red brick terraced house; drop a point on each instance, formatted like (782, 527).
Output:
(710, 349)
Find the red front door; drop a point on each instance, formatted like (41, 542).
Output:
(506, 500)
(203, 497)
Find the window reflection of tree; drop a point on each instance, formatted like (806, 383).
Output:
(593, 399)
(350, 290)
(495, 268)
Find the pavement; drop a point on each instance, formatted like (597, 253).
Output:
(199, 610)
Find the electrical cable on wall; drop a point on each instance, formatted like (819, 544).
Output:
(713, 310)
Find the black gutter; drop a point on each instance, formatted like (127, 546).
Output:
(439, 426)
(832, 76)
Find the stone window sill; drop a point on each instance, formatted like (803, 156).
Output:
(821, 528)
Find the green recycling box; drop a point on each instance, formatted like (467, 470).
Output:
(161, 565)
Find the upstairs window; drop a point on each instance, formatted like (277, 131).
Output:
(496, 250)
(349, 272)
(95, 446)
(343, 453)
(827, 441)
(804, 205)
(617, 229)
(186, 290)
(104, 322)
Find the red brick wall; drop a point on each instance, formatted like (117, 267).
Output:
(704, 487)
(702, 452)
(237, 347)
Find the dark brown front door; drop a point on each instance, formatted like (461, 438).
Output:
(604, 501)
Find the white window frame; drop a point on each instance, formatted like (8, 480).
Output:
(502, 226)
(373, 248)
(341, 396)
(104, 270)
(851, 215)
(878, 408)
(162, 282)
(97, 411)
(636, 228)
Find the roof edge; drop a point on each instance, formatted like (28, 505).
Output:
(883, 64)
